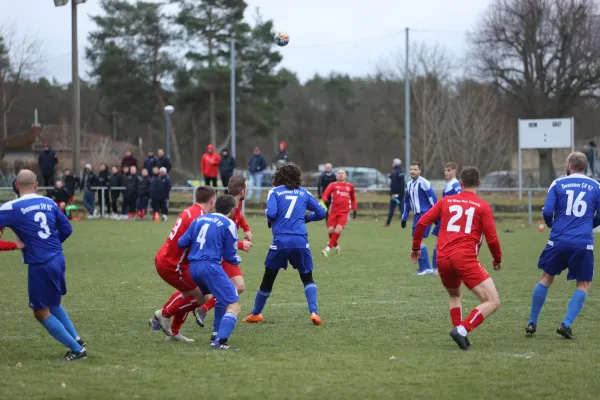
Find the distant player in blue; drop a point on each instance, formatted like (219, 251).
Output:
(287, 204)
(419, 198)
(212, 238)
(43, 227)
(571, 210)
(452, 187)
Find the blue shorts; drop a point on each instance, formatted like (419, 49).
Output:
(580, 262)
(301, 259)
(46, 283)
(415, 220)
(211, 278)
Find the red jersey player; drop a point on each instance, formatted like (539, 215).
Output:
(9, 246)
(171, 261)
(343, 200)
(465, 219)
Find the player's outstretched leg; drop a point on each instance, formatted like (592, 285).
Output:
(262, 296)
(310, 291)
(575, 306)
(538, 298)
(58, 331)
(490, 302)
(61, 314)
(200, 313)
(332, 240)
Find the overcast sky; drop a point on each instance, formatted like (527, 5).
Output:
(347, 36)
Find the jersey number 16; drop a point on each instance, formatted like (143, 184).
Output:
(457, 212)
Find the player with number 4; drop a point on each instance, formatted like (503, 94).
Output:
(464, 220)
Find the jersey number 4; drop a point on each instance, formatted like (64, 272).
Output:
(457, 212)
(575, 205)
(41, 219)
(202, 235)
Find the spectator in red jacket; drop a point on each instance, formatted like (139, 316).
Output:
(210, 166)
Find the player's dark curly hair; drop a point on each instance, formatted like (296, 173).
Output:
(288, 175)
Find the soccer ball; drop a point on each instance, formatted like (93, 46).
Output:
(281, 39)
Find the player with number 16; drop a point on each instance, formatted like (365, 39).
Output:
(464, 220)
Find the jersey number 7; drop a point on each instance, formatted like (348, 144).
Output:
(290, 209)
(457, 212)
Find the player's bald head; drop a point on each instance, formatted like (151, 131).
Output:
(26, 179)
(576, 162)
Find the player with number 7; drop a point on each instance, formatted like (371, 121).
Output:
(464, 220)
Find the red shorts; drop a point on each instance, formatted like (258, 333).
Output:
(460, 268)
(337, 219)
(231, 270)
(178, 277)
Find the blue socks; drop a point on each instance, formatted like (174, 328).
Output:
(61, 314)
(227, 326)
(219, 313)
(424, 260)
(310, 291)
(575, 306)
(537, 302)
(261, 300)
(60, 333)
(434, 258)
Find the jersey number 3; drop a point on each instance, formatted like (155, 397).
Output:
(41, 219)
(457, 212)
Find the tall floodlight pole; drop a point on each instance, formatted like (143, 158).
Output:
(406, 112)
(168, 111)
(232, 67)
(75, 117)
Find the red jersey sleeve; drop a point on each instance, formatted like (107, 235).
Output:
(353, 197)
(243, 224)
(240, 245)
(489, 230)
(327, 192)
(7, 246)
(432, 215)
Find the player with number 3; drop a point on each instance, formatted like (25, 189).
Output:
(572, 211)
(464, 220)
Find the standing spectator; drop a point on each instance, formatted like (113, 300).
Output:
(160, 189)
(47, 163)
(163, 161)
(124, 206)
(104, 182)
(72, 184)
(150, 162)
(131, 191)
(256, 166)
(397, 188)
(282, 156)
(88, 181)
(129, 160)
(326, 178)
(226, 168)
(143, 194)
(15, 188)
(60, 195)
(115, 181)
(209, 165)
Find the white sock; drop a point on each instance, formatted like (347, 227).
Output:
(327, 248)
(461, 330)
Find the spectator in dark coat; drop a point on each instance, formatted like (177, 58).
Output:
(47, 163)
(282, 156)
(88, 181)
(397, 189)
(226, 167)
(15, 188)
(104, 182)
(115, 181)
(163, 161)
(131, 183)
(72, 183)
(129, 160)
(160, 189)
(124, 206)
(256, 166)
(326, 178)
(143, 194)
(60, 195)
(151, 161)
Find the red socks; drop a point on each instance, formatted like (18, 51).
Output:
(456, 316)
(178, 304)
(178, 320)
(333, 240)
(473, 320)
(209, 305)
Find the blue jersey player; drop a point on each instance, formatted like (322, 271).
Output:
(287, 204)
(571, 210)
(419, 198)
(43, 227)
(452, 187)
(212, 238)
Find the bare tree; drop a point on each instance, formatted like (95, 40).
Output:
(20, 59)
(544, 54)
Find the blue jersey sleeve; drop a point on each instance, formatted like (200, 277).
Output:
(230, 245)
(406, 205)
(271, 211)
(549, 205)
(186, 240)
(318, 212)
(431, 196)
(457, 188)
(5, 217)
(63, 226)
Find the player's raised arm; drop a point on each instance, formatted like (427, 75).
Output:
(317, 211)
(549, 205)
(271, 211)
(432, 215)
(63, 225)
(230, 245)
(186, 239)
(491, 236)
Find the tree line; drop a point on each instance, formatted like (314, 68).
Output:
(526, 59)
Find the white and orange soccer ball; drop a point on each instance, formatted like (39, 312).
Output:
(281, 39)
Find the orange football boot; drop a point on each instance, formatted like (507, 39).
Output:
(252, 319)
(316, 319)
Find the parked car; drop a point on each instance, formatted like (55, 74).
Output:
(361, 177)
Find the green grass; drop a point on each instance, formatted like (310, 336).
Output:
(385, 334)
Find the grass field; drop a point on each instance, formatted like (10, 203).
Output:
(385, 334)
